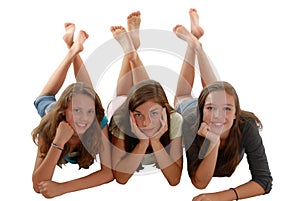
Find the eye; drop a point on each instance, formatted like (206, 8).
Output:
(137, 115)
(76, 110)
(91, 111)
(227, 109)
(154, 113)
(210, 108)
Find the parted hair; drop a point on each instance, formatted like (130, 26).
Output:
(229, 153)
(91, 140)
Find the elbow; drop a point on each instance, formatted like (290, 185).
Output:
(200, 184)
(36, 189)
(174, 181)
(121, 181)
(120, 178)
(35, 184)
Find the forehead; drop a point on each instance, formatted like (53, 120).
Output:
(82, 100)
(219, 98)
(148, 106)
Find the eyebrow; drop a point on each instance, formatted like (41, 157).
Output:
(208, 104)
(154, 109)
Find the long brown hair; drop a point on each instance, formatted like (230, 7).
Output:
(229, 154)
(91, 140)
(140, 93)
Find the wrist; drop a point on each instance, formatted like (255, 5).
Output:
(235, 193)
(59, 147)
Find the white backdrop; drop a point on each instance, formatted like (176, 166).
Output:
(253, 44)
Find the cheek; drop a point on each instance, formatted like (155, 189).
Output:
(138, 121)
(207, 117)
(69, 117)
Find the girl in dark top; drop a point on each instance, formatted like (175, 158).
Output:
(216, 131)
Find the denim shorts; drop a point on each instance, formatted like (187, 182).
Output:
(44, 103)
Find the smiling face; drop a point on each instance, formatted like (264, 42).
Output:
(147, 117)
(219, 112)
(80, 113)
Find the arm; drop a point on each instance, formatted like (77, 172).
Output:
(51, 189)
(261, 181)
(125, 164)
(207, 161)
(170, 164)
(45, 166)
(246, 190)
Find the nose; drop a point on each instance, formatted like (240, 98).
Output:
(147, 121)
(84, 116)
(218, 114)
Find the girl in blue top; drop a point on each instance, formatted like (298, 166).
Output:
(72, 129)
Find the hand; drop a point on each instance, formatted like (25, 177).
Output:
(164, 126)
(204, 131)
(135, 129)
(64, 133)
(207, 197)
(50, 189)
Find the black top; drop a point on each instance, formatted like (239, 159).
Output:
(251, 145)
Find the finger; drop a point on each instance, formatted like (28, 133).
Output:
(164, 114)
(132, 119)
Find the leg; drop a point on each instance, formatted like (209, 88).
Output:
(133, 25)
(58, 77)
(139, 72)
(132, 70)
(125, 80)
(206, 69)
(187, 73)
(80, 71)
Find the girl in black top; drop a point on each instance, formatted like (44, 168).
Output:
(216, 131)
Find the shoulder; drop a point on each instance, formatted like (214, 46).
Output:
(175, 125)
(250, 133)
(175, 118)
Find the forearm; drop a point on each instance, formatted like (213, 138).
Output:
(206, 169)
(129, 163)
(97, 178)
(45, 168)
(170, 166)
(249, 189)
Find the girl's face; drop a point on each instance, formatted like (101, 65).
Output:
(80, 113)
(147, 117)
(219, 112)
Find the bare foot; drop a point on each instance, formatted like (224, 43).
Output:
(78, 43)
(68, 37)
(185, 35)
(133, 24)
(121, 35)
(196, 30)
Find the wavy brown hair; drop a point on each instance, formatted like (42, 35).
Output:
(229, 154)
(91, 140)
(148, 90)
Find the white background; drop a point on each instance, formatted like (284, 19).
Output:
(253, 44)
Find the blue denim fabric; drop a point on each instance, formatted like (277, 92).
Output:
(44, 103)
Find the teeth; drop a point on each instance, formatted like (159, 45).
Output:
(81, 125)
(218, 124)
